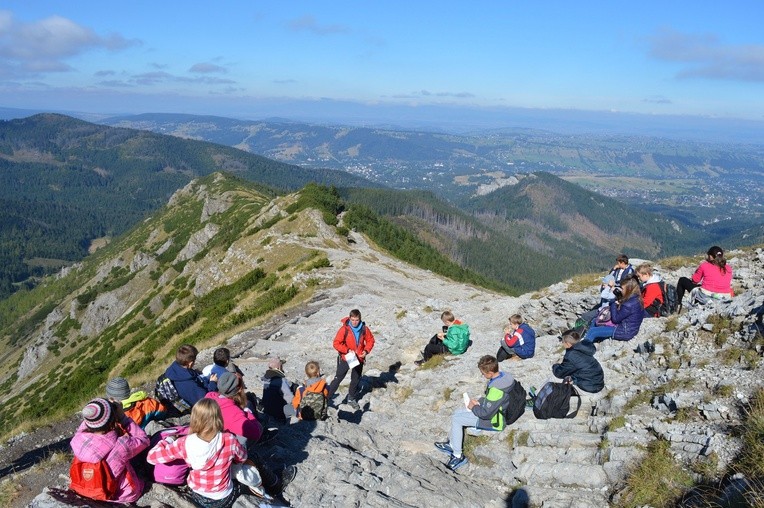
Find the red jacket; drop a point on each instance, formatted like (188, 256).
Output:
(344, 340)
(650, 293)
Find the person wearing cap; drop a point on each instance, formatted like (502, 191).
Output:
(139, 407)
(278, 392)
(353, 342)
(106, 433)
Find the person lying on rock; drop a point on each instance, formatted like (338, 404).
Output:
(519, 340)
(454, 338)
(353, 342)
(485, 413)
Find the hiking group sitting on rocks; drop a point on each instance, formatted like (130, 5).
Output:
(214, 450)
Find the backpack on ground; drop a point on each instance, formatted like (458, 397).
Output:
(312, 405)
(516, 405)
(93, 480)
(175, 472)
(553, 401)
(167, 394)
(670, 299)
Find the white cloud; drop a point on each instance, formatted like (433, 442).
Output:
(43, 46)
(704, 56)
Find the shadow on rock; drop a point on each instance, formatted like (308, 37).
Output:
(35, 456)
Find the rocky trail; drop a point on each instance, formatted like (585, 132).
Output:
(383, 455)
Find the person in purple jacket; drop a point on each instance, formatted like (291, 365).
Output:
(626, 314)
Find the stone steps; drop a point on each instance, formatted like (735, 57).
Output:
(587, 455)
(567, 474)
(561, 497)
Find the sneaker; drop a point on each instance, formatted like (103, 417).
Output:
(354, 404)
(268, 435)
(457, 462)
(445, 447)
(287, 475)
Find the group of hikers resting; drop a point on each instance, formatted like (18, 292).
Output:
(627, 297)
(214, 449)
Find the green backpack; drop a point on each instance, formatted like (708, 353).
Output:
(312, 405)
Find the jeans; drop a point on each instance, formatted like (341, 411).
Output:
(599, 333)
(459, 420)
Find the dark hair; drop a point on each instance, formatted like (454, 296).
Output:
(623, 258)
(221, 356)
(488, 363)
(571, 337)
(717, 258)
(355, 313)
(186, 354)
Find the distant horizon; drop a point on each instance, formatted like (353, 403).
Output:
(461, 119)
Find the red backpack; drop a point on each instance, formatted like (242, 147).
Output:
(93, 480)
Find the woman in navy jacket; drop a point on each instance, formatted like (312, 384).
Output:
(626, 313)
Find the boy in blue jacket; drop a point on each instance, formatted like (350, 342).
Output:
(191, 386)
(519, 340)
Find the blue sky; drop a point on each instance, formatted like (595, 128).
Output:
(233, 58)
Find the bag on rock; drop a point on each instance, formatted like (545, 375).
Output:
(175, 472)
(553, 401)
(670, 299)
(167, 394)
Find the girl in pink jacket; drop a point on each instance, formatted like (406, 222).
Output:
(106, 433)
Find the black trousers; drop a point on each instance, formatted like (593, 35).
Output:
(684, 284)
(434, 347)
(342, 370)
(502, 354)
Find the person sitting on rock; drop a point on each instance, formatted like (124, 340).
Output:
(519, 342)
(191, 386)
(652, 294)
(484, 413)
(353, 342)
(579, 364)
(221, 362)
(626, 314)
(139, 407)
(713, 277)
(454, 339)
(241, 421)
(622, 269)
(278, 392)
(107, 434)
(209, 451)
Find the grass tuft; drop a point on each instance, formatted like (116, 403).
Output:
(657, 481)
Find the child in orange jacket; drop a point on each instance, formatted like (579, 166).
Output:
(310, 398)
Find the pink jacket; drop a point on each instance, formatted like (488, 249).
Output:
(711, 278)
(235, 419)
(118, 450)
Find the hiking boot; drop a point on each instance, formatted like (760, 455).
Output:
(354, 404)
(445, 447)
(287, 475)
(267, 435)
(457, 462)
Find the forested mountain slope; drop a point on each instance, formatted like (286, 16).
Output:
(65, 182)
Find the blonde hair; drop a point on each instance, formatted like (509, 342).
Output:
(448, 316)
(516, 319)
(206, 419)
(312, 369)
(645, 269)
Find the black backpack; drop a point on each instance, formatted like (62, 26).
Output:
(670, 299)
(516, 405)
(167, 394)
(553, 401)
